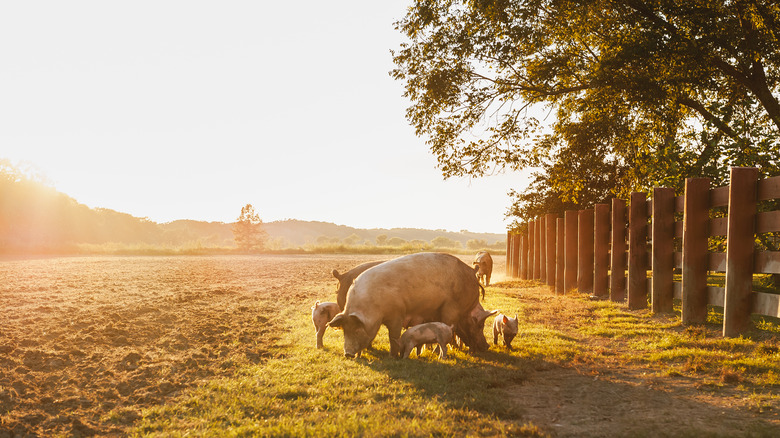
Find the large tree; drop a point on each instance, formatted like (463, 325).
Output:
(601, 97)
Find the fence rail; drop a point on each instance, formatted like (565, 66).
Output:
(627, 251)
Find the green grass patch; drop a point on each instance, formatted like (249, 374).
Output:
(610, 320)
(309, 392)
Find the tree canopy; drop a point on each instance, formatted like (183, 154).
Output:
(248, 230)
(600, 97)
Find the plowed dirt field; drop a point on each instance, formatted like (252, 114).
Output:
(87, 342)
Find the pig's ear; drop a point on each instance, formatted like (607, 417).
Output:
(355, 321)
(506, 319)
(345, 321)
(481, 318)
(336, 274)
(337, 321)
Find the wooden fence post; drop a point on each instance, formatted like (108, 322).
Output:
(509, 261)
(515, 255)
(550, 221)
(537, 249)
(637, 251)
(600, 249)
(617, 278)
(524, 254)
(543, 250)
(695, 258)
(585, 251)
(662, 296)
(570, 276)
(531, 249)
(520, 258)
(560, 259)
(508, 252)
(739, 250)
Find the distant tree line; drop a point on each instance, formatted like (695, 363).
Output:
(35, 217)
(440, 242)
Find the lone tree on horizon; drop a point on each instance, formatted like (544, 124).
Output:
(248, 231)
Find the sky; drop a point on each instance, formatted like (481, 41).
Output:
(192, 109)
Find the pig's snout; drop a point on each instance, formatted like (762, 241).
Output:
(349, 355)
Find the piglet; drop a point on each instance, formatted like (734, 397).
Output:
(321, 314)
(506, 327)
(427, 333)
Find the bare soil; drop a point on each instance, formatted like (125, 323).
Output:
(86, 343)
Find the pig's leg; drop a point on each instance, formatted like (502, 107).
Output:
(406, 350)
(442, 350)
(394, 333)
(320, 333)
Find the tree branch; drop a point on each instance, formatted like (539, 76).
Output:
(712, 118)
(754, 80)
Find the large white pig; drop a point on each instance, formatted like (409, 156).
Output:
(420, 287)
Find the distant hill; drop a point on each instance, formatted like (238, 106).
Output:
(297, 233)
(35, 217)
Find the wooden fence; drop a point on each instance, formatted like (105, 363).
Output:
(598, 251)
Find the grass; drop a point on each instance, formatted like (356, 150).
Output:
(302, 391)
(309, 392)
(661, 341)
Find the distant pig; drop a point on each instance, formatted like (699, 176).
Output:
(506, 327)
(321, 314)
(427, 333)
(483, 265)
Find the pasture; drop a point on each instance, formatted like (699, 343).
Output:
(224, 346)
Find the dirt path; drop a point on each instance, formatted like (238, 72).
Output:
(605, 393)
(567, 403)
